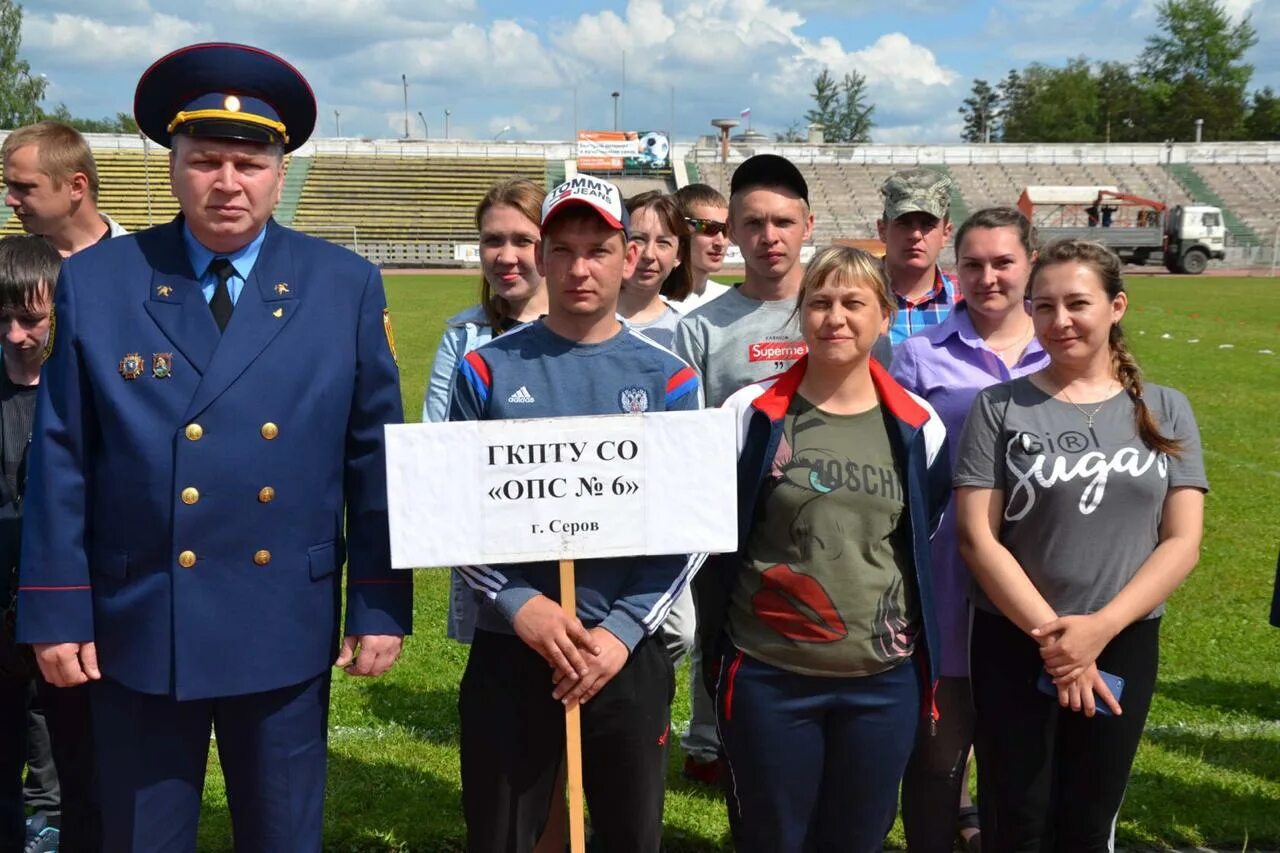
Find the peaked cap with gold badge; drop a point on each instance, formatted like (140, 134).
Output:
(225, 91)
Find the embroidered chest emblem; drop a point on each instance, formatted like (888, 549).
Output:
(633, 400)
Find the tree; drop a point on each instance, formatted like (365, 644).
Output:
(841, 107)
(826, 104)
(122, 123)
(791, 134)
(1010, 90)
(20, 91)
(855, 114)
(1194, 67)
(1264, 116)
(981, 111)
(1124, 105)
(1053, 105)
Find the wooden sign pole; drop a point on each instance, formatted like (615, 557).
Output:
(573, 730)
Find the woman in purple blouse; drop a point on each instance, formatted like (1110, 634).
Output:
(987, 339)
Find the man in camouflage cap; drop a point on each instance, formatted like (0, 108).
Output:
(914, 227)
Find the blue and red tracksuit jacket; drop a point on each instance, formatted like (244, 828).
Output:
(919, 446)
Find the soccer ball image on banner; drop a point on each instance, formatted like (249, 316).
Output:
(655, 150)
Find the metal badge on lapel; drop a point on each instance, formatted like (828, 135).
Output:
(131, 365)
(391, 336)
(162, 365)
(282, 289)
(164, 290)
(278, 313)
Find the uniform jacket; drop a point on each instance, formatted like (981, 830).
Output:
(919, 447)
(187, 491)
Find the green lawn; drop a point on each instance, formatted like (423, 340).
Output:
(1209, 769)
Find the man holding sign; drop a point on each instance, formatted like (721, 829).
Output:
(530, 659)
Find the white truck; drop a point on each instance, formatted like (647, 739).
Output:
(1182, 237)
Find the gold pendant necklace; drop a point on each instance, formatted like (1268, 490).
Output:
(1023, 338)
(1088, 416)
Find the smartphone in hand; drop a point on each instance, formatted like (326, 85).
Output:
(1114, 683)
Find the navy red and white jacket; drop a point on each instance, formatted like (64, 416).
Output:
(919, 446)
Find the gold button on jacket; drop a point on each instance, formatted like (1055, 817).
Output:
(266, 495)
(262, 557)
(194, 432)
(187, 559)
(270, 430)
(190, 495)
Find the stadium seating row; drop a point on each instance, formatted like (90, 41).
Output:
(372, 200)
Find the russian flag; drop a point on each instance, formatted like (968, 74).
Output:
(476, 372)
(681, 382)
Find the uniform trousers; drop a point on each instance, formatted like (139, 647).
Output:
(68, 713)
(1049, 778)
(152, 752)
(513, 742)
(813, 762)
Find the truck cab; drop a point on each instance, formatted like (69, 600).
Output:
(1193, 234)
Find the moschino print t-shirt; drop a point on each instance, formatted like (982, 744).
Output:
(1082, 504)
(827, 587)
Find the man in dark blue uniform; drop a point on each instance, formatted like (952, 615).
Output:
(208, 451)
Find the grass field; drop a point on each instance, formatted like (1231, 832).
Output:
(1208, 772)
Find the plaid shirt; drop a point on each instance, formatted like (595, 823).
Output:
(928, 310)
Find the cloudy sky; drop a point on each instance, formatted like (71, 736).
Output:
(679, 63)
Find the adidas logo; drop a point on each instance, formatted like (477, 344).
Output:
(522, 395)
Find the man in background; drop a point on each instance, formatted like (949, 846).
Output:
(51, 184)
(914, 228)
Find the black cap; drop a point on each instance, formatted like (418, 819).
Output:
(225, 91)
(768, 170)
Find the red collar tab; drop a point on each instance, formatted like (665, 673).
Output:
(776, 399)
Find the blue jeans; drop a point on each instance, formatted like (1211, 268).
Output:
(814, 762)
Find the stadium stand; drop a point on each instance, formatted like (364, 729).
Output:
(362, 199)
(1247, 191)
(397, 206)
(846, 202)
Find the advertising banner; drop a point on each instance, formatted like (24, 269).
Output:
(623, 151)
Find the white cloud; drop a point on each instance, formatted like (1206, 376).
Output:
(329, 28)
(84, 42)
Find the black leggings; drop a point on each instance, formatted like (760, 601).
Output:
(935, 773)
(1051, 779)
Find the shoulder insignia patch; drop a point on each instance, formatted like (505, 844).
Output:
(391, 335)
(48, 342)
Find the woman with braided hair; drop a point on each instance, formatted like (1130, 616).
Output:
(1080, 504)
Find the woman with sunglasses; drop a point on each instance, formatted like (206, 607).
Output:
(988, 338)
(706, 214)
(655, 230)
(843, 476)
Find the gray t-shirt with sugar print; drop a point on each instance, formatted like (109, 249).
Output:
(1082, 505)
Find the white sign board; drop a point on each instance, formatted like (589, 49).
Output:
(515, 491)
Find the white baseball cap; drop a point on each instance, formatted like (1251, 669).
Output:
(587, 191)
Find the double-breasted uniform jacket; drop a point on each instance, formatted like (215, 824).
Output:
(189, 491)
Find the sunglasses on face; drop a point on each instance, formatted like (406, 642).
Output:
(706, 226)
